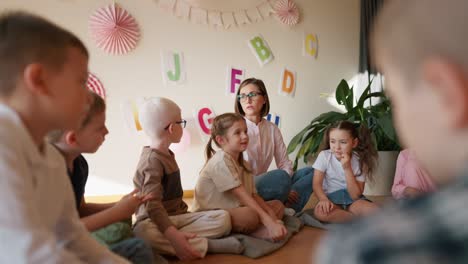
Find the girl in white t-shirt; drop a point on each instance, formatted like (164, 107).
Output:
(226, 182)
(347, 158)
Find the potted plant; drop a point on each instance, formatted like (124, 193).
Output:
(377, 117)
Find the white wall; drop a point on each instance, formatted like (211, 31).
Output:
(207, 53)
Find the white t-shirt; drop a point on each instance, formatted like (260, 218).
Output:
(335, 179)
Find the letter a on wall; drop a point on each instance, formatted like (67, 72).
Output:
(173, 67)
(287, 83)
(260, 49)
(310, 45)
(234, 78)
(129, 110)
(204, 118)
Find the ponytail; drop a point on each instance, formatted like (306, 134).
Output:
(209, 151)
(367, 153)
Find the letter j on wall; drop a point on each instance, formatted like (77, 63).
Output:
(173, 67)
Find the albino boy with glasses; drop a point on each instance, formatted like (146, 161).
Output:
(164, 222)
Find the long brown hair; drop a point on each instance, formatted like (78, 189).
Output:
(220, 126)
(365, 149)
(262, 89)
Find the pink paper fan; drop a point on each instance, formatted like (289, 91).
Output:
(287, 12)
(95, 85)
(114, 30)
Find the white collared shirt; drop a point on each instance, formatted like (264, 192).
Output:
(266, 142)
(38, 219)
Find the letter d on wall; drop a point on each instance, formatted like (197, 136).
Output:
(287, 83)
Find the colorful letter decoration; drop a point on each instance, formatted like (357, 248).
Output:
(260, 49)
(287, 83)
(204, 118)
(277, 119)
(234, 78)
(129, 110)
(173, 68)
(310, 45)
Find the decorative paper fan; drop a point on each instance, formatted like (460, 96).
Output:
(114, 30)
(95, 85)
(287, 12)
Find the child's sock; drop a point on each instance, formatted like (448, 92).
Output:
(225, 245)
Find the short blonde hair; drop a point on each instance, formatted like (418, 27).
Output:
(156, 113)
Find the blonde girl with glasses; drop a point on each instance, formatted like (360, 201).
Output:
(293, 188)
(226, 182)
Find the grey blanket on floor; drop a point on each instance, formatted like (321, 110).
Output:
(308, 219)
(255, 248)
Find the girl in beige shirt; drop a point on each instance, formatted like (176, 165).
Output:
(226, 182)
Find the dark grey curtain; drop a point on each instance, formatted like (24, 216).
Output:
(369, 9)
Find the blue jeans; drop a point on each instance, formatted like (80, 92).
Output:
(276, 185)
(133, 249)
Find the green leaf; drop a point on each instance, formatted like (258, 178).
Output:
(328, 117)
(305, 147)
(386, 123)
(349, 99)
(363, 98)
(341, 92)
(298, 138)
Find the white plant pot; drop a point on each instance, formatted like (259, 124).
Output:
(383, 177)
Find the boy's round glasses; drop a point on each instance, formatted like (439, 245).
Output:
(245, 97)
(182, 122)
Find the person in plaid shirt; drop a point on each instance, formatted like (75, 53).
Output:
(421, 47)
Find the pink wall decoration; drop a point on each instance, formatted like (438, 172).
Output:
(114, 30)
(95, 85)
(287, 12)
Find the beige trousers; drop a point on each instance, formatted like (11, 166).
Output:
(207, 224)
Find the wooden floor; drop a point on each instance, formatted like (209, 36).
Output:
(300, 249)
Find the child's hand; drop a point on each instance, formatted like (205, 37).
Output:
(325, 206)
(277, 231)
(179, 240)
(293, 197)
(410, 192)
(346, 161)
(130, 202)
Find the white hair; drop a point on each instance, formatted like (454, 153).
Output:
(156, 113)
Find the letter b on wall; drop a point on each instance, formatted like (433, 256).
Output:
(260, 49)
